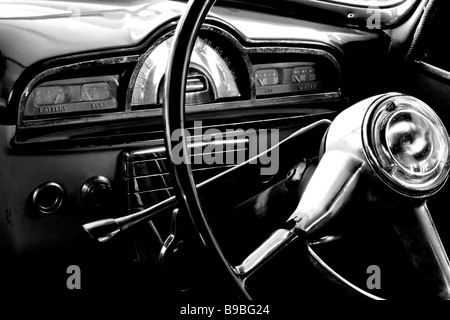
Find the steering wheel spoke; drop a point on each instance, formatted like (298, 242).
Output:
(363, 142)
(353, 140)
(267, 250)
(328, 191)
(417, 231)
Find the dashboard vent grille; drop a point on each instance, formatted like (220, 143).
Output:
(144, 173)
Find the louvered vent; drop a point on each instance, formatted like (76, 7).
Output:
(145, 177)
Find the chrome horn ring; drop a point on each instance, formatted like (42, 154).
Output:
(406, 145)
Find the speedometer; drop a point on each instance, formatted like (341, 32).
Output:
(210, 78)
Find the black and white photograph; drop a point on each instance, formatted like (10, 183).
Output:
(224, 159)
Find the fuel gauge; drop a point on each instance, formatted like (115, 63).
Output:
(267, 77)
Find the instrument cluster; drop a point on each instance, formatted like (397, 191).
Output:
(226, 73)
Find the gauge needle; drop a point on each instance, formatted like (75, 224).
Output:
(297, 79)
(88, 96)
(261, 83)
(58, 99)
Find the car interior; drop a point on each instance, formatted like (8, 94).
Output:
(222, 150)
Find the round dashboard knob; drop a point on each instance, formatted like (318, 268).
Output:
(48, 197)
(96, 191)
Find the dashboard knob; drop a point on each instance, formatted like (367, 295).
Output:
(96, 192)
(48, 197)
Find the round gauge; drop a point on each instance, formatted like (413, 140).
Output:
(210, 76)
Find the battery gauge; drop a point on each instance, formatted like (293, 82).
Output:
(267, 77)
(49, 95)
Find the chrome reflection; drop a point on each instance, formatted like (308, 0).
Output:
(206, 62)
(407, 145)
(390, 136)
(410, 139)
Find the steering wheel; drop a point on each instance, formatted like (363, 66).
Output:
(345, 162)
(174, 119)
(392, 148)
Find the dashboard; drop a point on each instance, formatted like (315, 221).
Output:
(224, 75)
(82, 113)
(82, 91)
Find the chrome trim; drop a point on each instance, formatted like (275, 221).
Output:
(203, 61)
(90, 185)
(144, 173)
(276, 242)
(167, 244)
(101, 230)
(212, 107)
(164, 247)
(326, 240)
(423, 66)
(69, 67)
(72, 134)
(330, 188)
(209, 26)
(56, 204)
(336, 276)
(373, 159)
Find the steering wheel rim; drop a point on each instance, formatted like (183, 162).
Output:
(181, 172)
(174, 119)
